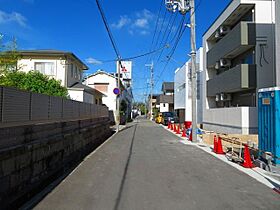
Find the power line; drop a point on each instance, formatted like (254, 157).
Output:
(108, 29)
(156, 24)
(180, 34)
(136, 56)
(182, 30)
(166, 40)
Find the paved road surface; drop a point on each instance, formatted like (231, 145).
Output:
(145, 167)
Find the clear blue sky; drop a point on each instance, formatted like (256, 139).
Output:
(77, 26)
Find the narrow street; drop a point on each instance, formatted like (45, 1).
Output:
(146, 167)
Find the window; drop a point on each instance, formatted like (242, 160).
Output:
(46, 68)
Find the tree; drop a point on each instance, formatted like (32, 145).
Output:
(8, 56)
(33, 81)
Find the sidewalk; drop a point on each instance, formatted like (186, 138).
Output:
(146, 167)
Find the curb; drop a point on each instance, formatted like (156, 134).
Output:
(256, 173)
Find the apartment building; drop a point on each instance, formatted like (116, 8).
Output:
(239, 59)
(183, 89)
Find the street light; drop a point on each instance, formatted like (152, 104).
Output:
(184, 6)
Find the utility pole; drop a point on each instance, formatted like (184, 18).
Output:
(184, 6)
(193, 59)
(152, 86)
(118, 96)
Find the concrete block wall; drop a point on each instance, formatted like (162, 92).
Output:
(33, 155)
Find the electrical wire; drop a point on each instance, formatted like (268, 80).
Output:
(108, 29)
(182, 30)
(136, 56)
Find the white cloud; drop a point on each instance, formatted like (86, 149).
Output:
(123, 21)
(13, 17)
(93, 61)
(138, 23)
(141, 23)
(143, 19)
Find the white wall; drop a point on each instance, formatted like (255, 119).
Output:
(183, 80)
(180, 88)
(234, 120)
(62, 69)
(76, 95)
(109, 98)
(27, 65)
(163, 107)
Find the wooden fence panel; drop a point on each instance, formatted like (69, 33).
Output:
(39, 106)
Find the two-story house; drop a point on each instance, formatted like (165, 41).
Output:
(105, 83)
(165, 100)
(63, 66)
(239, 59)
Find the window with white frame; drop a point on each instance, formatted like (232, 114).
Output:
(46, 68)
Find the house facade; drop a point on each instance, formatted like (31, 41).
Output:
(105, 83)
(183, 90)
(165, 101)
(60, 65)
(239, 59)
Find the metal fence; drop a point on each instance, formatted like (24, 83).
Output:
(22, 106)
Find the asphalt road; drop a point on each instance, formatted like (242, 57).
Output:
(146, 167)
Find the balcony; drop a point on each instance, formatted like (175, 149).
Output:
(240, 39)
(241, 77)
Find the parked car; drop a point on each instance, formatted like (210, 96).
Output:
(159, 118)
(169, 117)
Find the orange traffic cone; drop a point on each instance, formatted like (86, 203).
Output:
(247, 158)
(215, 144)
(219, 148)
(171, 126)
(184, 133)
(178, 130)
(168, 126)
(175, 128)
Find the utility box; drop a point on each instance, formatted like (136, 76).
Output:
(269, 122)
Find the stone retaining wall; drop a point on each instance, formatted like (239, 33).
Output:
(33, 155)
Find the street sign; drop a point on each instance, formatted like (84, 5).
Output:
(116, 91)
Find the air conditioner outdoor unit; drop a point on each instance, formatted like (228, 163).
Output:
(225, 62)
(223, 30)
(225, 97)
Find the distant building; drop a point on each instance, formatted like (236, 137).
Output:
(105, 83)
(165, 101)
(239, 59)
(183, 88)
(60, 65)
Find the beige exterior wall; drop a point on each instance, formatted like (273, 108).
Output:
(62, 69)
